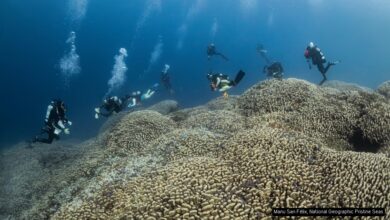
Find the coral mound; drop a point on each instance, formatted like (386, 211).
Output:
(165, 107)
(254, 172)
(283, 143)
(342, 119)
(384, 89)
(137, 129)
(219, 121)
(343, 86)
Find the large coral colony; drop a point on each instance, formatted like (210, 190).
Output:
(282, 143)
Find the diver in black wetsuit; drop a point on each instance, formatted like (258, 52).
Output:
(272, 69)
(55, 123)
(222, 83)
(111, 105)
(166, 79)
(212, 51)
(314, 53)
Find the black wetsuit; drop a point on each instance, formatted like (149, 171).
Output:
(218, 77)
(113, 104)
(166, 81)
(318, 59)
(274, 70)
(211, 51)
(56, 115)
(216, 80)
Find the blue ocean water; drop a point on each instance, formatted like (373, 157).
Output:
(33, 38)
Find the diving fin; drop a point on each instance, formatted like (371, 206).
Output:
(335, 62)
(239, 77)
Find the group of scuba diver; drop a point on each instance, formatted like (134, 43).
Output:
(56, 121)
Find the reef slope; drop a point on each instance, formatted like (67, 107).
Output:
(285, 143)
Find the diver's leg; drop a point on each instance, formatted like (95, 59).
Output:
(322, 70)
(54, 137)
(324, 79)
(329, 65)
(42, 140)
(38, 138)
(223, 56)
(107, 114)
(48, 140)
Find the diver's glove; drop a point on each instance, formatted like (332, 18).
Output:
(66, 131)
(70, 123)
(96, 115)
(57, 131)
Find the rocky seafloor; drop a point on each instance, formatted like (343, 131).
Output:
(282, 143)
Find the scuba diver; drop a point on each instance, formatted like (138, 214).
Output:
(166, 79)
(136, 97)
(111, 105)
(275, 70)
(314, 53)
(272, 69)
(212, 51)
(55, 122)
(222, 83)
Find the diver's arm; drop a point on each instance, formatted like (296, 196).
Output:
(61, 127)
(66, 120)
(218, 82)
(223, 56)
(49, 108)
(60, 124)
